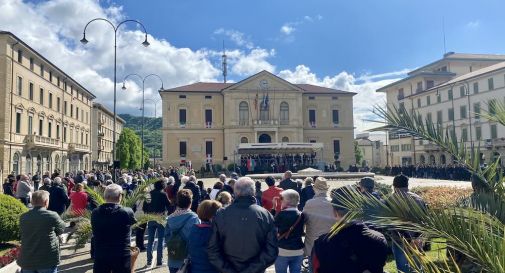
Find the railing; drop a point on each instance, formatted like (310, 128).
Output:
(431, 147)
(284, 122)
(243, 122)
(42, 141)
(78, 147)
(182, 125)
(312, 124)
(208, 124)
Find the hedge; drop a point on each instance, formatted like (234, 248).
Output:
(10, 211)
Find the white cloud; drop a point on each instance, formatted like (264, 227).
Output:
(287, 29)
(473, 24)
(366, 97)
(239, 38)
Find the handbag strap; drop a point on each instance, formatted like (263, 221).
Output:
(286, 234)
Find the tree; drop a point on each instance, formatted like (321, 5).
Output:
(358, 153)
(129, 150)
(473, 229)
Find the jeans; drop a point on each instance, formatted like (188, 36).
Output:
(152, 229)
(139, 236)
(402, 264)
(48, 270)
(294, 263)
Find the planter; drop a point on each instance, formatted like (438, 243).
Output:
(9, 257)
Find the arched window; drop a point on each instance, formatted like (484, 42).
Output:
(57, 162)
(39, 164)
(243, 113)
(422, 159)
(284, 113)
(442, 160)
(15, 163)
(48, 163)
(28, 164)
(264, 138)
(64, 165)
(285, 139)
(432, 160)
(244, 140)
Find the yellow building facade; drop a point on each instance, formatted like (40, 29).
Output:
(205, 122)
(46, 115)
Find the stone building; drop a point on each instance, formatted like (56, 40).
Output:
(46, 116)
(450, 92)
(102, 120)
(262, 114)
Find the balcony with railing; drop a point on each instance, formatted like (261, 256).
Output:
(37, 141)
(312, 124)
(78, 147)
(208, 124)
(428, 147)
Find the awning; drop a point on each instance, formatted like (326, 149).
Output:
(279, 148)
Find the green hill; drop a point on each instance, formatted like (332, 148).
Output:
(152, 131)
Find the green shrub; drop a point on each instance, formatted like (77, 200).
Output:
(10, 210)
(383, 189)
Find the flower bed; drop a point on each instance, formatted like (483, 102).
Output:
(9, 256)
(442, 197)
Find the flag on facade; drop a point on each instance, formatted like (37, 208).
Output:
(256, 102)
(266, 101)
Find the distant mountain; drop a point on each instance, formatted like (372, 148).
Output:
(152, 131)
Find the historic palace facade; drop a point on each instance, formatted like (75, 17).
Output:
(45, 119)
(262, 116)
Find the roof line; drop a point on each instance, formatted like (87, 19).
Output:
(45, 59)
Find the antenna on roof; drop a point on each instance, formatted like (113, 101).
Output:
(443, 32)
(224, 64)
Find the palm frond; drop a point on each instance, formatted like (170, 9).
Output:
(148, 217)
(138, 194)
(475, 234)
(495, 112)
(95, 195)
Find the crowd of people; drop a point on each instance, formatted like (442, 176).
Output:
(235, 226)
(447, 172)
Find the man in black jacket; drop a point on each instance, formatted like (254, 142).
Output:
(288, 183)
(111, 225)
(229, 250)
(58, 198)
(191, 185)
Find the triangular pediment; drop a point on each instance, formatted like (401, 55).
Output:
(263, 81)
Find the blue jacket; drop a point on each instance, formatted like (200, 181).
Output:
(197, 248)
(176, 222)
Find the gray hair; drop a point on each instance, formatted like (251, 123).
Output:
(112, 193)
(57, 180)
(309, 181)
(39, 198)
(184, 179)
(244, 187)
(288, 174)
(47, 180)
(192, 178)
(171, 180)
(292, 197)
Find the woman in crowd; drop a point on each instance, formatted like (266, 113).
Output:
(159, 205)
(216, 189)
(224, 198)
(177, 230)
(258, 193)
(78, 200)
(199, 237)
(289, 223)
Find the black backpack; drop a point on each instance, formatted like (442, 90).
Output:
(177, 246)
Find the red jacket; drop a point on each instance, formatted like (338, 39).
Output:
(267, 198)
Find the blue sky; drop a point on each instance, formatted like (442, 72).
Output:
(366, 36)
(358, 45)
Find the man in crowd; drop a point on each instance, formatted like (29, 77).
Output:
(270, 198)
(367, 185)
(229, 250)
(354, 249)
(318, 214)
(288, 183)
(111, 225)
(58, 198)
(39, 229)
(190, 184)
(401, 190)
(24, 189)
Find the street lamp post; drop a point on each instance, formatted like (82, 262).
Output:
(155, 105)
(145, 43)
(143, 100)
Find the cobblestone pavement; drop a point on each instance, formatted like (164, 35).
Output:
(79, 261)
